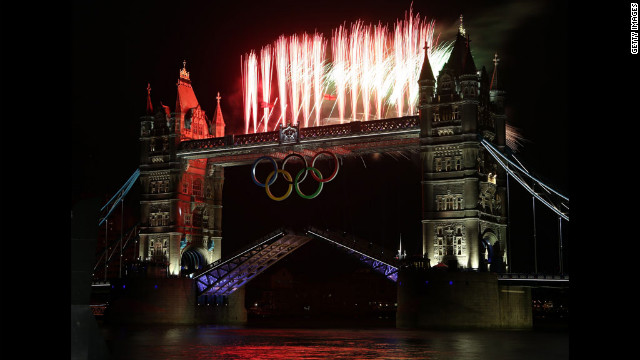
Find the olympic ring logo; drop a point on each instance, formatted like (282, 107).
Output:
(294, 183)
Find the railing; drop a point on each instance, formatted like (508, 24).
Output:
(309, 133)
(326, 131)
(265, 137)
(243, 250)
(367, 252)
(533, 277)
(365, 247)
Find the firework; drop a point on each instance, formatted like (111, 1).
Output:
(306, 75)
(295, 75)
(514, 138)
(370, 67)
(318, 49)
(265, 68)
(282, 67)
(339, 73)
(355, 50)
(250, 90)
(379, 58)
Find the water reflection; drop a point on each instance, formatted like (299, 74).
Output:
(214, 342)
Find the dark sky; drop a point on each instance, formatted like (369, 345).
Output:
(119, 47)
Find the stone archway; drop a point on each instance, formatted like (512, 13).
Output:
(192, 260)
(491, 253)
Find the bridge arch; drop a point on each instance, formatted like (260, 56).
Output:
(192, 259)
(491, 252)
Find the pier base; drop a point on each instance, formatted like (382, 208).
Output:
(432, 299)
(169, 301)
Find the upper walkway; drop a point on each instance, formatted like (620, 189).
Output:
(347, 139)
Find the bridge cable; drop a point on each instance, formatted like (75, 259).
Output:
(119, 195)
(496, 154)
(495, 151)
(535, 240)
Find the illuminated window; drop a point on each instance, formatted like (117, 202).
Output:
(455, 113)
(458, 163)
(436, 115)
(197, 187)
(438, 164)
(153, 187)
(448, 164)
(460, 205)
(449, 203)
(165, 186)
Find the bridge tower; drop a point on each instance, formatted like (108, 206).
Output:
(181, 200)
(463, 190)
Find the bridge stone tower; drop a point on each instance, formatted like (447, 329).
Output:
(181, 200)
(463, 189)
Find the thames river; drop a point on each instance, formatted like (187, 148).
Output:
(219, 342)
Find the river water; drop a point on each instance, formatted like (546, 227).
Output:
(219, 342)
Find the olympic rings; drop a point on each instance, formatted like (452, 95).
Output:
(315, 173)
(287, 176)
(253, 171)
(335, 162)
(286, 158)
(320, 184)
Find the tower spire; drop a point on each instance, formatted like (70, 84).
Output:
(219, 122)
(461, 29)
(494, 78)
(184, 74)
(426, 73)
(469, 67)
(401, 254)
(149, 105)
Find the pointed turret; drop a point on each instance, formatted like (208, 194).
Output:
(149, 105)
(193, 122)
(455, 64)
(426, 73)
(426, 81)
(495, 84)
(496, 88)
(186, 97)
(469, 66)
(218, 130)
(469, 77)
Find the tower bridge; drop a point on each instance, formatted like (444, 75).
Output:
(460, 135)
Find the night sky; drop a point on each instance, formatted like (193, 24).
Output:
(119, 47)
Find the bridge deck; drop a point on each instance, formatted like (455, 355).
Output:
(348, 139)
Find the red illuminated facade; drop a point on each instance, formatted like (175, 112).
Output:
(180, 203)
